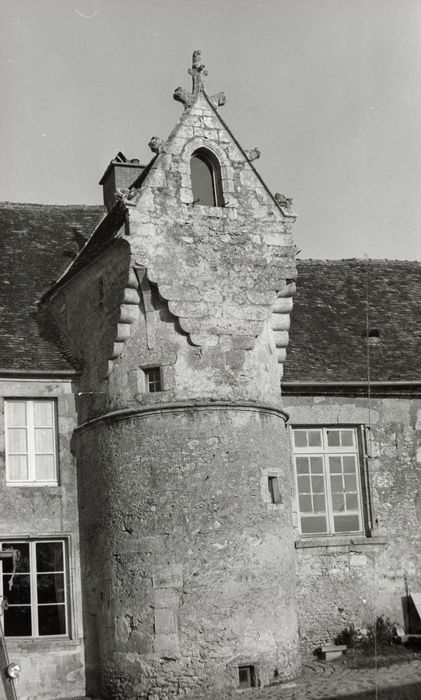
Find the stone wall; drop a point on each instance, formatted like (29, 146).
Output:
(51, 668)
(88, 313)
(218, 268)
(354, 580)
(190, 566)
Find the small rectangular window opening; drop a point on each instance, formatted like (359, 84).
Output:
(246, 677)
(153, 379)
(274, 490)
(100, 292)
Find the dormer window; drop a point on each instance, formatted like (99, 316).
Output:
(206, 179)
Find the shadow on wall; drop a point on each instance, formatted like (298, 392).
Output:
(412, 620)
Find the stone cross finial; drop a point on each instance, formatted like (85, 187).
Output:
(197, 71)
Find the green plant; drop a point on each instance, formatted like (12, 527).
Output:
(349, 636)
(381, 633)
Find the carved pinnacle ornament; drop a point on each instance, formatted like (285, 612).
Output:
(197, 72)
(124, 195)
(219, 99)
(183, 96)
(253, 154)
(286, 204)
(156, 144)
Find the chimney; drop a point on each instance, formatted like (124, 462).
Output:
(119, 173)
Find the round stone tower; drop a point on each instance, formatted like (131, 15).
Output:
(181, 306)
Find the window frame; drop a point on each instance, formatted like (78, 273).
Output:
(33, 573)
(30, 441)
(324, 451)
(211, 160)
(151, 382)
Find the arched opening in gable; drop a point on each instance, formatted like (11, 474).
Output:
(206, 178)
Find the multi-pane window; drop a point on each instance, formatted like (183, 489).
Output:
(30, 441)
(328, 474)
(153, 379)
(36, 598)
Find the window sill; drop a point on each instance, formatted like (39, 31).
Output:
(41, 644)
(217, 211)
(336, 541)
(32, 484)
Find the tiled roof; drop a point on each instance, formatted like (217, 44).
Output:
(328, 339)
(105, 233)
(328, 331)
(99, 238)
(37, 243)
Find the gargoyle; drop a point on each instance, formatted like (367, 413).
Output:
(156, 144)
(285, 203)
(183, 96)
(253, 154)
(124, 195)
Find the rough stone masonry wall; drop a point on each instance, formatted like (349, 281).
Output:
(218, 268)
(355, 582)
(50, 668)
(190, 567)
(88, 311)
(219, 276)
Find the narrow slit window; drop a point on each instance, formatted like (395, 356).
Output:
(153, 379)
(274, 490)
(206, 179)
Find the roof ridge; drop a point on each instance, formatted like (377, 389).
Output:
(339, 261)
(41, 205)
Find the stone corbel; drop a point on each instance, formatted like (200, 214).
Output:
(150, 314)
(280, 319)
(129, 312)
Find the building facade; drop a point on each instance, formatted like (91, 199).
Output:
(177, 515)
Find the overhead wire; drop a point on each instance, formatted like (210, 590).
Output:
(370, 444)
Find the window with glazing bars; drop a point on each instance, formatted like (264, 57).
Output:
(36, 599)
(329, 480)
(153, 379)
(31, 450)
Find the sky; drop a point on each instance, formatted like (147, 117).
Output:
(328, 90)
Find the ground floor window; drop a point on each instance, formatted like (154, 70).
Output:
(331, 484)
(36, 591)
